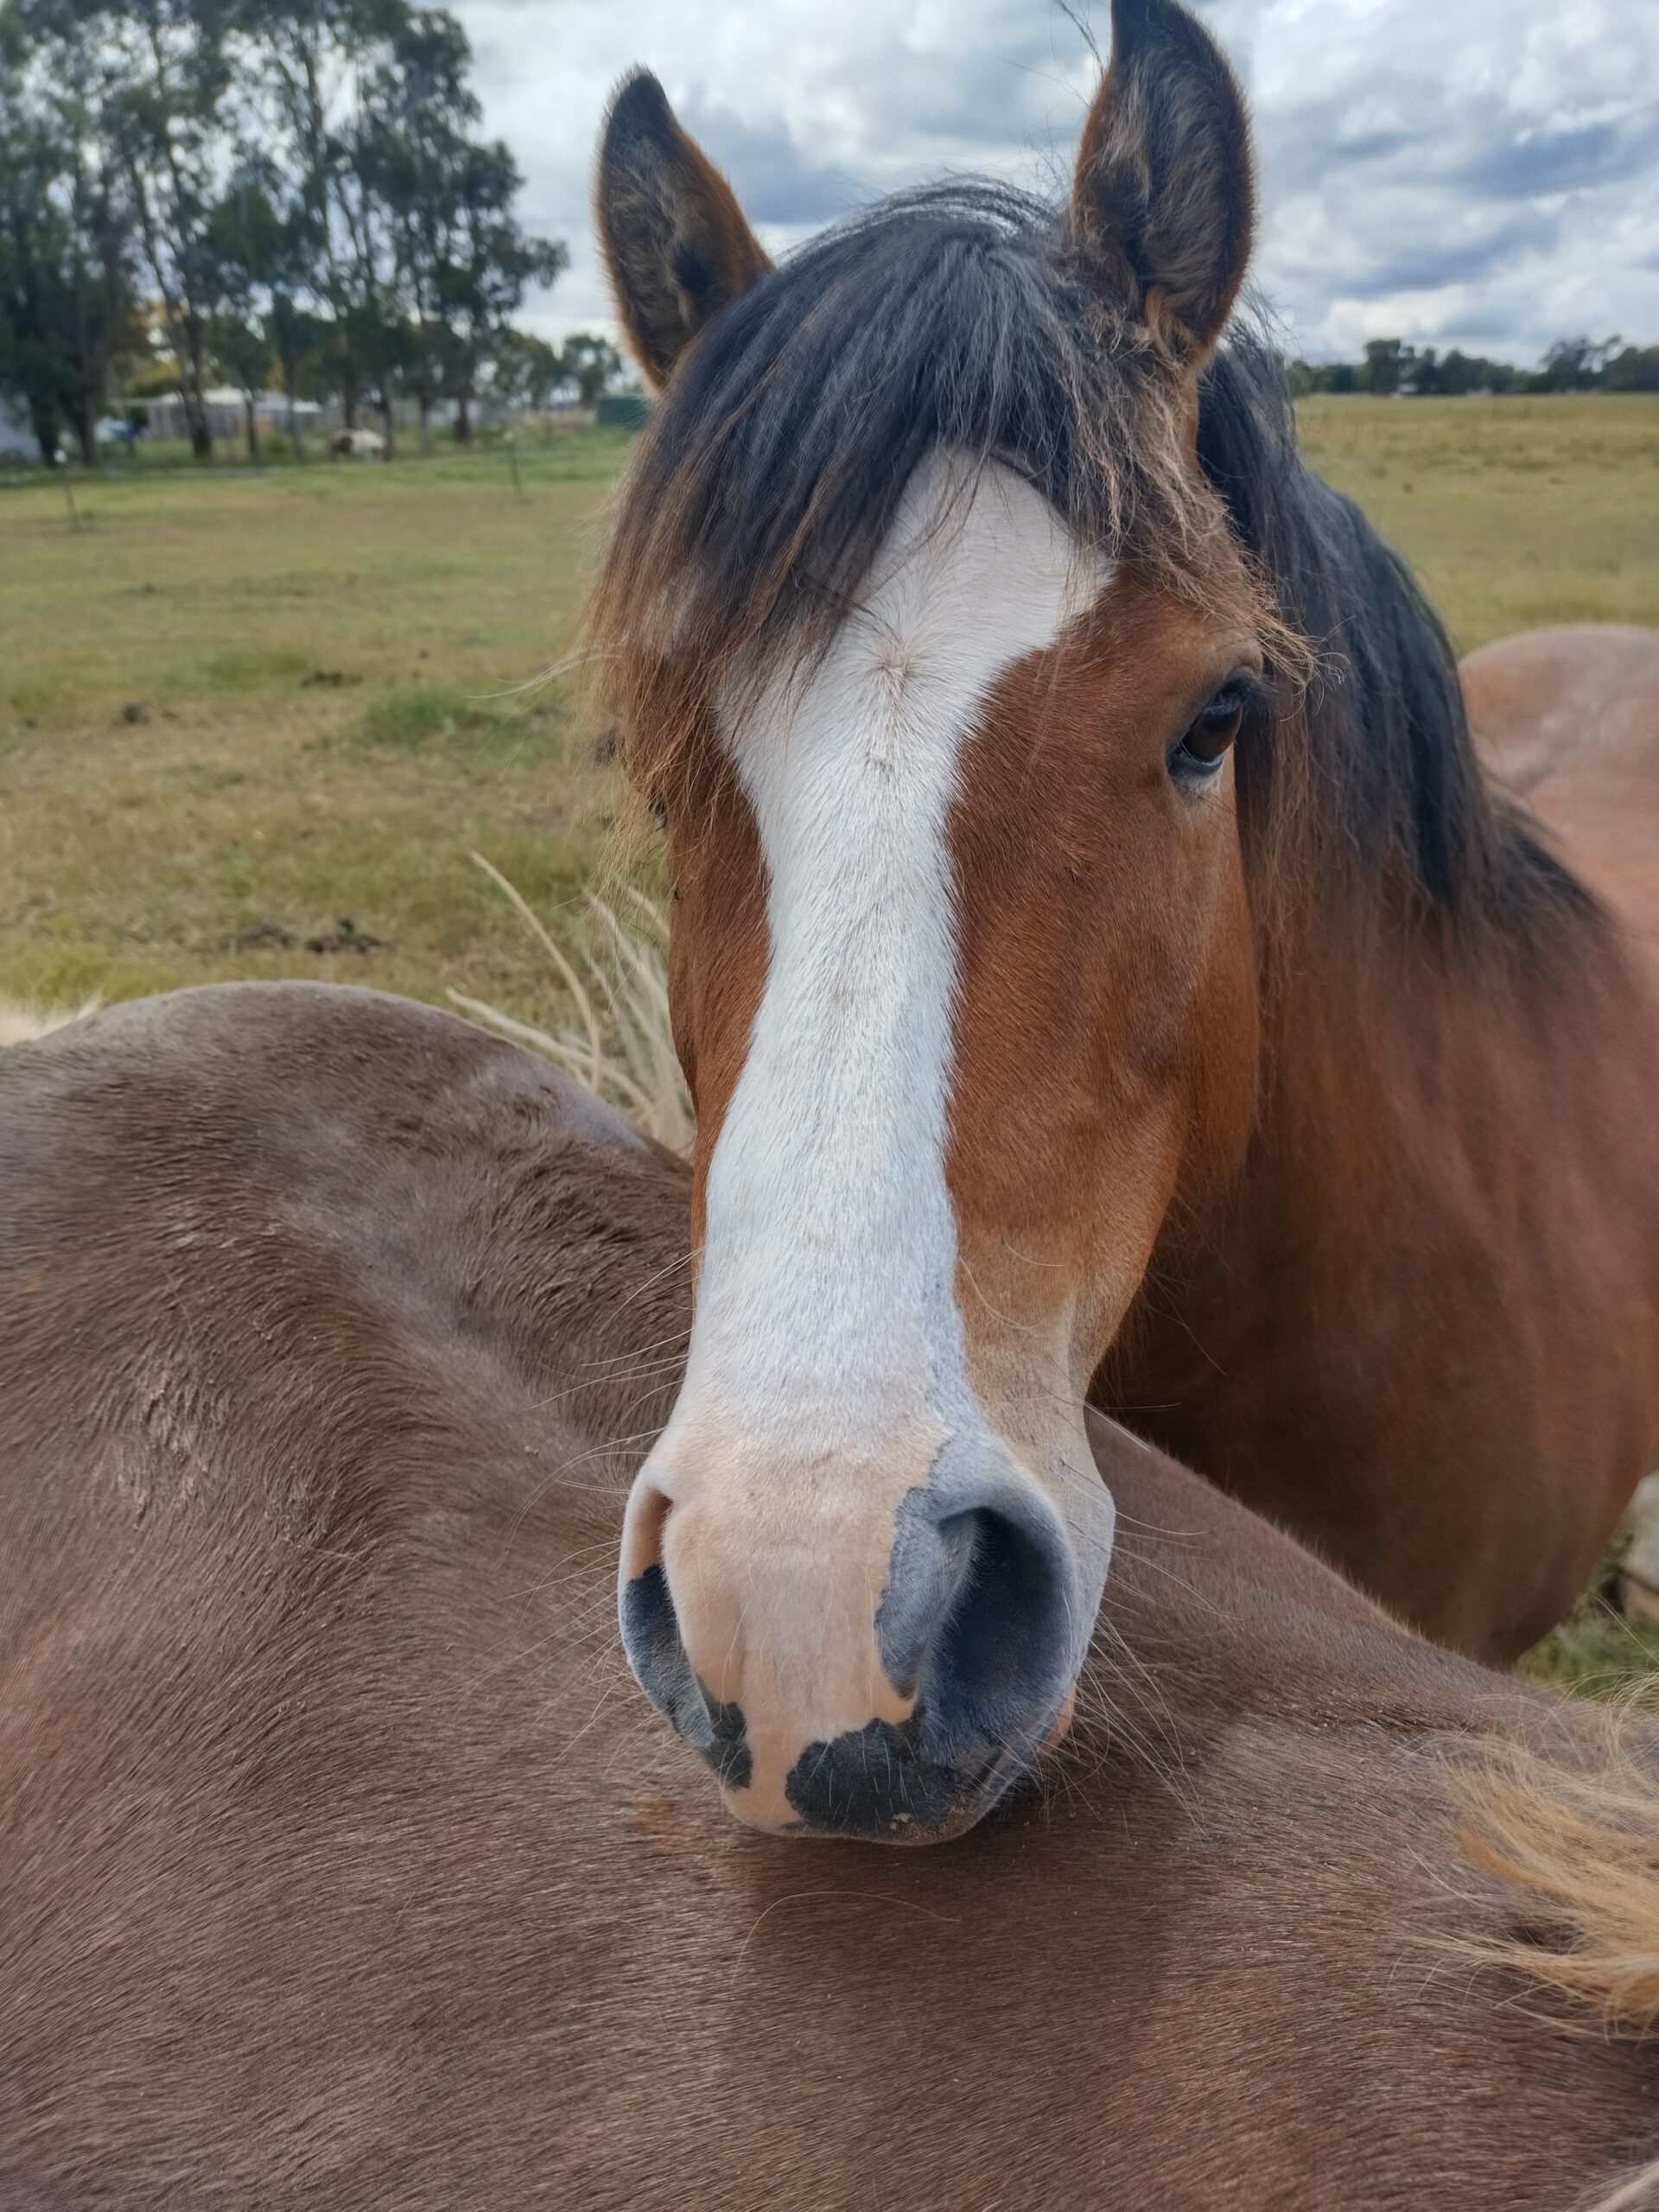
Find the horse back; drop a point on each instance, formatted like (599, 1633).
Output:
(1567, 719)
(344, 1867)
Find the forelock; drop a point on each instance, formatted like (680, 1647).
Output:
(957, 317)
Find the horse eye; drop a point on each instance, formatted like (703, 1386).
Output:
(660, 815)
(1202, 751)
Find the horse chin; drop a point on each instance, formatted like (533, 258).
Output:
(905, 1830)
(877, 1784)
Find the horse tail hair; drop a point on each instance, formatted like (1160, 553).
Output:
(1578, 1838)
(1636, 2192)
(1579, 1841)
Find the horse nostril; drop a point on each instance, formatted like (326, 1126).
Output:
(657, 1653)
(662, 1666)
(651, 1637)
(1001, 1660)
(979, 1625)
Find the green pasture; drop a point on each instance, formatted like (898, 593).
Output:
(1514, 511)
(241, 708)
(253, 721)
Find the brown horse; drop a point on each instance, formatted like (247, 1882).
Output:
(1104, 972)
(1567, 719)
(341, 1869)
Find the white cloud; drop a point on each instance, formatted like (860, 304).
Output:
(1477, 171)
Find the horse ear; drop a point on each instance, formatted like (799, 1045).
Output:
(676, 242)
(1164, 195)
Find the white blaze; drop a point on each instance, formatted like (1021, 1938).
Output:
(827, 1376)
(827, 1294)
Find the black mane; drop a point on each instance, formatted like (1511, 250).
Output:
(958, 317)
(963, 316)
(1396, 790)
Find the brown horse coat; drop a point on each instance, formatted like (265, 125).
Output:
(1567, 720)
(342, 1865)
(1456, 1191)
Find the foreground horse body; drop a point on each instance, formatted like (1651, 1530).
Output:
(1104, 972)
(343, 1870)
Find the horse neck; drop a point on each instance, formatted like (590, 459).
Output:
(1367, 1030)
(1394, 1052)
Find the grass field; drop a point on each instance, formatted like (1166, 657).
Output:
(253, 722)
(240, 710)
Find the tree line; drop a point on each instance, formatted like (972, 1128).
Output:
(260, 191)
(1390, 366)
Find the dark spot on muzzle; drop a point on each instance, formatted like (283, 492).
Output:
(651, 1637)
(878, 1782)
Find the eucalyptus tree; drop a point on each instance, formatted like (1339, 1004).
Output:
(301, 346)
(157, 77)
(493, 263)
(372, 303)
(68, 311)
(245, 234)
(34, 367)
(410, 148)
(439, 260)
(309, 60)
(526, 371)
(591, 362)
(280, 176)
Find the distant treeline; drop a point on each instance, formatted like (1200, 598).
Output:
(260, 194)
(1391, 366)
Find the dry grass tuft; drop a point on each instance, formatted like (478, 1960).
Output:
(1635, 2192)
(620, 1043)
(20, 1023)
(1580, 1844)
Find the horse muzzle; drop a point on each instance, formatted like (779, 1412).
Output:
(849, 1670)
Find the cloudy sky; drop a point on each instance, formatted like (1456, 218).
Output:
(1478, 172)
